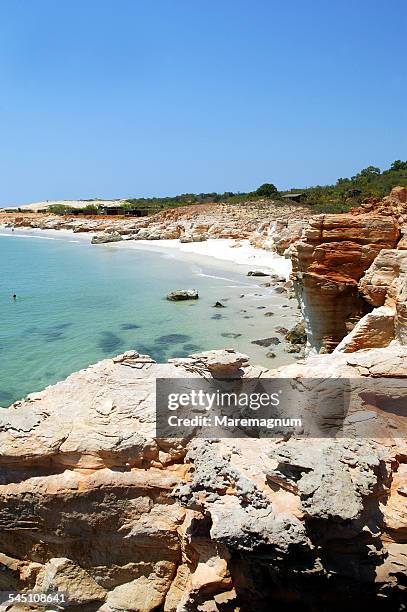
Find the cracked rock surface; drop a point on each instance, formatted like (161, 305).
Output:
(92, 502)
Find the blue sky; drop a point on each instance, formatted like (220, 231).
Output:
(116, 98)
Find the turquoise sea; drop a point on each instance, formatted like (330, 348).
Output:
(78, 303)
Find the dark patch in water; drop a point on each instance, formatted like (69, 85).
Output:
(161, 354)
(191, 348)
(173, 339)
(6, 398)
(51, 336)
(109, 342)
(51, 333)
(217, 316)
(230, 335)
(31, 330)
(128, 326)
(61, 325)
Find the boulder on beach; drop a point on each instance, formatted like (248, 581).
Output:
(106, 237)
(183, 294)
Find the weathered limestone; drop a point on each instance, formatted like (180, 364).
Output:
(92, 502)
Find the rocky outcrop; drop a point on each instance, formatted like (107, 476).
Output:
(264, 224)
(328, 262)
(93, 503)
(394, 205)
(384, 286)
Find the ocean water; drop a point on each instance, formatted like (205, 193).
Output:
(79, 303)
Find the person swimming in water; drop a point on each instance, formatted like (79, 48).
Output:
(14, 296)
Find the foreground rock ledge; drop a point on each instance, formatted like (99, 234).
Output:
(92, 503)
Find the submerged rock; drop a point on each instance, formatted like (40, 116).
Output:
(230, 335)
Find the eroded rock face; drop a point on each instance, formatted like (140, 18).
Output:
(328, 262)
(92, 502)
(376, 283)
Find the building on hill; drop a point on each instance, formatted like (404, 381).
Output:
(295, 197)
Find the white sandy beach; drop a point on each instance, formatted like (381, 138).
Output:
(238, 252)
(241, 252)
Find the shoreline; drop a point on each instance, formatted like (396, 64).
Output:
(240, 324)
(225, 250)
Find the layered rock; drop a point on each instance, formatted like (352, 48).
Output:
(93, 503)
(328, 262)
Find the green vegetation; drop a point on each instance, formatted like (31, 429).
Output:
(61, 209)
(267, 190)
(370, 182)
(341, 197)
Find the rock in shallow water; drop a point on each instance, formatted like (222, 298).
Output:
(183, 294)
(267, 341)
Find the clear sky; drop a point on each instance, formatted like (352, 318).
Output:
(116, 98)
